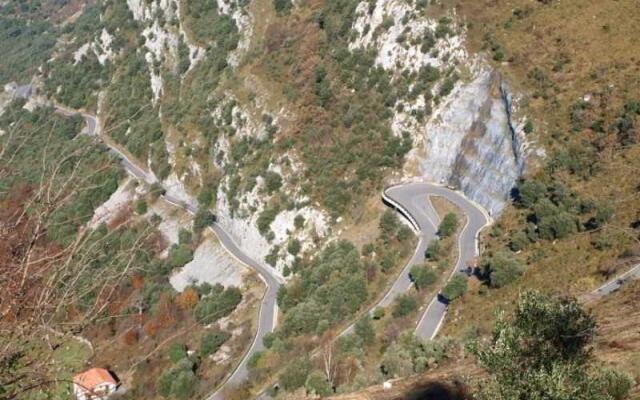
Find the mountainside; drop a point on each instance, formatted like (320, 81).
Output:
(191, 193)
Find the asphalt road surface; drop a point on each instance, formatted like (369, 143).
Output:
(616, 283)
(412, 201)
(267, 318)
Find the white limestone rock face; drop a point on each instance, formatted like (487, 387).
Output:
(102, 47)
(241, 223)
(81, 53)
(383, 26)
(173, 220)
(255, 124)
(470, 140)
(119, 200)
(211, 264)
(162, 40)
(471, 143)
(175, 188)
(244, 21)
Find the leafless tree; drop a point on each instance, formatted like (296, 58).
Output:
(42, 281)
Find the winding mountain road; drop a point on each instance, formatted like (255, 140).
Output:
(411, 200)
(267, 318)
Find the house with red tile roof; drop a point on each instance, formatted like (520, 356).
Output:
(94, 384)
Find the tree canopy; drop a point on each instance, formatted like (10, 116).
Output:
(542, 351)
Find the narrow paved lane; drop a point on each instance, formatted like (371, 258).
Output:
(267, 318)
(412, 200)
(616, 283)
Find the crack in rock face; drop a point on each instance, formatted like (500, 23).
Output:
(471, 142)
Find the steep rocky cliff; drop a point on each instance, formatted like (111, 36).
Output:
(471, 139)
(473, 144)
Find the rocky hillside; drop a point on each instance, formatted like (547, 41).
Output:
(203, 94)
(287, 118)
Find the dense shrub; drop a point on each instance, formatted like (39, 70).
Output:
(456, 287)
(295, 374)
(410, 354)
(404, 305)
(273, 181)
(177, 351)
(448, 225)
(331, 287)
(266, 217)
(423, 276)
(501, 269)
(212, 341)
(294, 247)
(178, 381)
(542, 350)
(434, 250)
(364, 330)
(218, 304)
(317, 384)
(203, 219)
(83, 171)
(282, 5)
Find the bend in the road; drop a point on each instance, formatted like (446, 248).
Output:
(412, 199)
(404, 198)
(267, 317)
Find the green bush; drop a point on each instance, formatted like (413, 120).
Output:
(217, 305)
(410, 354)
(456, 287)
(295, 374)
(528, 127)
(179, 381)
(389, 224)
(404, 305)
(423, 276)
(543, 351)
(273, 181)
(448, 225)
(294, 247)
(253, 361)
(25, 45)
(501, 269)
(177, 351)
(617, 384)
(203, 218)
(298, 221)
(330, 287)
(317, 384)
(185, 237)
(282, 6)
(212, 341)
(179, 256)
(519, 241)
(364, 330)
(434, 250)
(266, 217)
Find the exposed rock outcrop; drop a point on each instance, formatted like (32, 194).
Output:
(472, 143)
(470, 139)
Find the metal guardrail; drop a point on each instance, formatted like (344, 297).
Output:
(405, 213)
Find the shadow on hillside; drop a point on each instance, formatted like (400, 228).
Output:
(437, 391)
